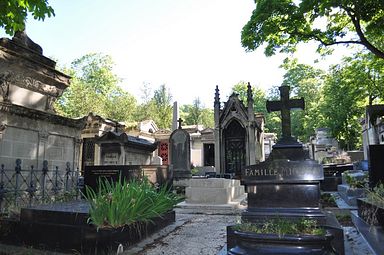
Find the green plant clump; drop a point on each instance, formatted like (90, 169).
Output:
(120, 203)
(355, 183)
(376, 195)
(283, 227)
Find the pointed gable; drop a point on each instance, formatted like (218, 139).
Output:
(233, 109)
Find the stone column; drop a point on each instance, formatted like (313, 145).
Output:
(251, 128)
(175, 116)
(42, 148)
(217, 131)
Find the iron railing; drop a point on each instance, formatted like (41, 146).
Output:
(27, 187)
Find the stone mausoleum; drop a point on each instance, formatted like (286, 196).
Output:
(29, 128)
(239, 137)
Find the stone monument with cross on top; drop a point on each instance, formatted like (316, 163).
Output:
(284, 106)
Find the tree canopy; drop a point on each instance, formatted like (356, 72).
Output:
(94, 88)
(13, 13)
(196, 114)
(282, 24)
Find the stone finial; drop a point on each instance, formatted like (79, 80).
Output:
(22, 38)
(249, 93)
(217, 96)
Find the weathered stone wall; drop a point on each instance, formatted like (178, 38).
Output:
(36, 139)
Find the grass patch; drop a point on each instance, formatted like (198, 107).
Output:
(283, 227)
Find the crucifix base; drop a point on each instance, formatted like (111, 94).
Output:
(287, 142)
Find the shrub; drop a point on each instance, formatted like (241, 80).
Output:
(122, 203)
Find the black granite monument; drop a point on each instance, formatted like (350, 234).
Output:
(286, 185)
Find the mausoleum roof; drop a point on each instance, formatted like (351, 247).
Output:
(127, 140)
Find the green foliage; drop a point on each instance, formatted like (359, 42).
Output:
(94, 88)
(348, 88)
(327, 200)
(376, 195)
(124, 203)
(283, 227)
(13, 13)
(196, 114)
(282, 24)
(305, 81)
(158, 108)
(354, 182)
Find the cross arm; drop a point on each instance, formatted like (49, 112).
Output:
(296, 103)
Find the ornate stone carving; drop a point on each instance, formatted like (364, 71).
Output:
(49, 104)
(4, 85)
(22, 38)
(43, 136)
(2, 130)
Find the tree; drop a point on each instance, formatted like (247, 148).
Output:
(282, 24)
(158, 108)
(196, 114)
(13, 13)
(94, 88)
(305, 81)
(163, 105)
(348, 88)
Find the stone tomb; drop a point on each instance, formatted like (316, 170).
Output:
(159, 175)
(376, 164)
(213, 191)
(286, 185)
(29, 128)
(283, 188)
(64, 227)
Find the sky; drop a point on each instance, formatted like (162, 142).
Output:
(190, 45)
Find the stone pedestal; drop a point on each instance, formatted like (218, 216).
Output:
(282, 187)
(213, 191)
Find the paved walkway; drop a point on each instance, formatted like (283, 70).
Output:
(191, 234)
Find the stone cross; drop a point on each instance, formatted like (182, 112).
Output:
(285, 105)
(179, 121)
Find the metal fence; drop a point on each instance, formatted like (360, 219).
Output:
(27, 187)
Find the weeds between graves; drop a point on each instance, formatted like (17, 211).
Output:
(327, 200)
(283, 227)
(376, 195)
(356, 183)
(121, 203)
(371, 208)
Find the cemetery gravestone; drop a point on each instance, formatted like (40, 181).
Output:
(180, 156)
(376, 164)
(286, 185)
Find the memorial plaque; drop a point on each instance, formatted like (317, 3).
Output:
(283, 171)
(92, 174)
(111, 158)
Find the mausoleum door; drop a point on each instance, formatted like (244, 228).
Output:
(234, 140)
(88, 152)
